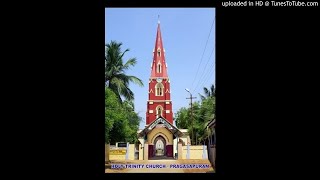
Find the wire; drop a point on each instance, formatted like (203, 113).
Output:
(203, 72)
(206, 77)
(203, 51)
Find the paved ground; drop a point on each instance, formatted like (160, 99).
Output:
(158, 166)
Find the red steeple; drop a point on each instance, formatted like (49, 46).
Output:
(159, 67)
(159, 101)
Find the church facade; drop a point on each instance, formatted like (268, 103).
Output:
(160, 137)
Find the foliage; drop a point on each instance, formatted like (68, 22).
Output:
(208, 93)
(182, 120)
(113, 118)
(121, 121)
(203, 112)
(115, 77)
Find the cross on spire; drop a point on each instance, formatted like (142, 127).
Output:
(158, 19)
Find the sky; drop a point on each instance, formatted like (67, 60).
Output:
(188, 36)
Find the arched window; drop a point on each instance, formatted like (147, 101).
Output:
(159, 52)
(159, 89)
(159, 111)
(159, 68)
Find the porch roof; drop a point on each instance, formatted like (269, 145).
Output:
(175, 131)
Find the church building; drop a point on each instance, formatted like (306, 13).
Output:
(160, 137)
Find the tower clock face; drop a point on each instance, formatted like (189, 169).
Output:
(159, 80)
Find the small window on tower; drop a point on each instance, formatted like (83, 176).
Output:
(159, 89)
(159, 68)
(159, 110)
(159, 52)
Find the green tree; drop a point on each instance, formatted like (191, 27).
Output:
(203, 112)
(121, 122)
(115, 77)
(182, 118)
(133, 122)
(113, 117)
(208, 92)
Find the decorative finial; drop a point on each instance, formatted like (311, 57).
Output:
(158, 19)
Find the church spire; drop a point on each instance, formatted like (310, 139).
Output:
(159, 99)
(159, 67)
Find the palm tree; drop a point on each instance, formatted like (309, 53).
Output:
(208, 93)
(115, 77)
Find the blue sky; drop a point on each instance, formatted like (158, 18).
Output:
(190, 54)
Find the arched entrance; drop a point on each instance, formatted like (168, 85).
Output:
(159, 145)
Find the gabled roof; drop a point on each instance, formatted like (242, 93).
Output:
(167, 125)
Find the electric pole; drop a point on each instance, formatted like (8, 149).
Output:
(191, 97)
